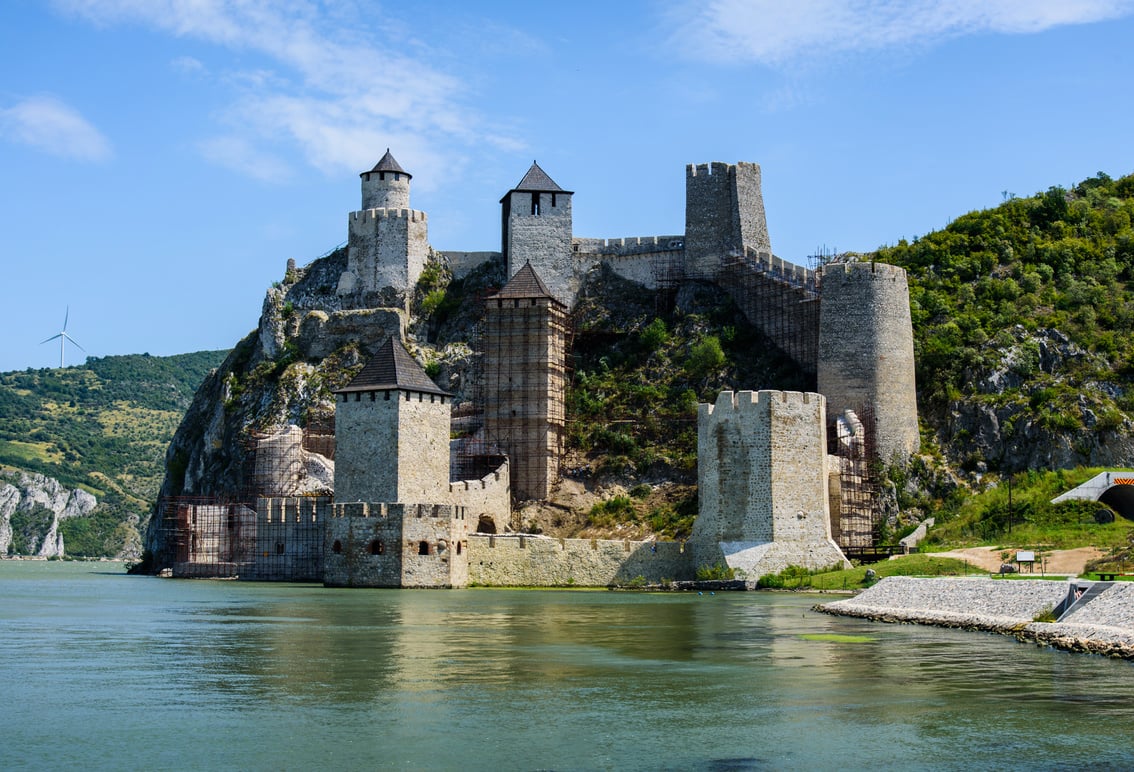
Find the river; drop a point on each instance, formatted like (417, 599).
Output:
(104, 671)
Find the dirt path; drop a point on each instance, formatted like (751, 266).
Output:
(1056, 562)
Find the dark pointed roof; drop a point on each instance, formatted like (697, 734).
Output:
(387, 164)
(525, 284)
(537, 181)
(392, 368)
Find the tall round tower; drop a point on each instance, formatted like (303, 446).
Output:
(386, 186)
(866, 353)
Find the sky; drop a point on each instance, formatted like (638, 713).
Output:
(161, 160)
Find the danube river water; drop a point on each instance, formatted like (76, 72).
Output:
(99, 670)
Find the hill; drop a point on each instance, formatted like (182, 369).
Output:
(104, 427)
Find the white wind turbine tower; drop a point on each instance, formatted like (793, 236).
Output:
(63, 338)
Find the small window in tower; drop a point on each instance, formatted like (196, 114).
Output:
(423, 548)
(337, 547)
(397, 176)
(386, 395)
(458, 548)
(535, 203)
(279, 548)
(516, 303)
(358, 396)
(377, 547)
(552, 200)
(372, 397)
(381, 176)
(408, 396)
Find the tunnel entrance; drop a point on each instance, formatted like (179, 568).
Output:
(1121, 499)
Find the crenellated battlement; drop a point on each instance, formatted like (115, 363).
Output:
(628, 246)
(716, 168)
(385, 510)
(413, 215)
(864, 271)
(731, 403)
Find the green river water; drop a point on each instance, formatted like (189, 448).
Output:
(103, 671)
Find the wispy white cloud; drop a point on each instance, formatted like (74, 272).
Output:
(773, 32)
(242, 156)
(54, 127)
(338, 92)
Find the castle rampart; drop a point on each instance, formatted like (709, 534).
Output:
(724, 214)
(487, 497)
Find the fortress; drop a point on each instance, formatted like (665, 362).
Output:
(774, 468)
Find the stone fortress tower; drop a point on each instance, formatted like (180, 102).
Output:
(536, 229)
(763, 484)
(525, 361)
(392, 523)
(866, 353)
(724, 214)
(387, 241)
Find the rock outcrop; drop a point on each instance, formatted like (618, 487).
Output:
(44, 502)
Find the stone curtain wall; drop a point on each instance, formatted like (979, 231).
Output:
(290, 539)
(381, 545)
(544, 240)
(866, 355)
(537, 561)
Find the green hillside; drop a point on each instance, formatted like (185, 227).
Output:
(988, 289)
(103, 426)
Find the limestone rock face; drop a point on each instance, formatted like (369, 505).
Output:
(21, 492)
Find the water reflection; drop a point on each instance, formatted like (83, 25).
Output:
(283, 676)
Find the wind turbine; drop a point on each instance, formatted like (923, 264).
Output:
(63, 338)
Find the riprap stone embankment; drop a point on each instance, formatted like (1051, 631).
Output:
(1105, 625)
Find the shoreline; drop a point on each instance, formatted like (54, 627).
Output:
(1104, 625)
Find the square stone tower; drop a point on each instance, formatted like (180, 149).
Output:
(724, 215)
(392, 523)
(536, 228)
(763, 483)
(387, 242)
(525, 378)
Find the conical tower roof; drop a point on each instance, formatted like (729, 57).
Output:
(537, 181)
(392, 368)
(387, 163)
(525, 284)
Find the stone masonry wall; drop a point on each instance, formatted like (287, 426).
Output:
(396, 545)
(724, 214)
(866, 355)
(490, 495)
(391, 446)
(387, 248)
(543, 239)
(762, 481)
(537, 561)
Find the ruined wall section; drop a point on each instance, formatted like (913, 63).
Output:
(490, 496)
(866, 353)
(763, 483)
(539, 561)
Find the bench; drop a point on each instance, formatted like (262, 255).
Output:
(1110, 576)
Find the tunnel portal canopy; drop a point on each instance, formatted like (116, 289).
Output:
(1114, 488)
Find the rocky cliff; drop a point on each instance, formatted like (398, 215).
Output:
(306, 345)
(31, 508)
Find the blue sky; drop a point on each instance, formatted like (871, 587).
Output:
(160, 160)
